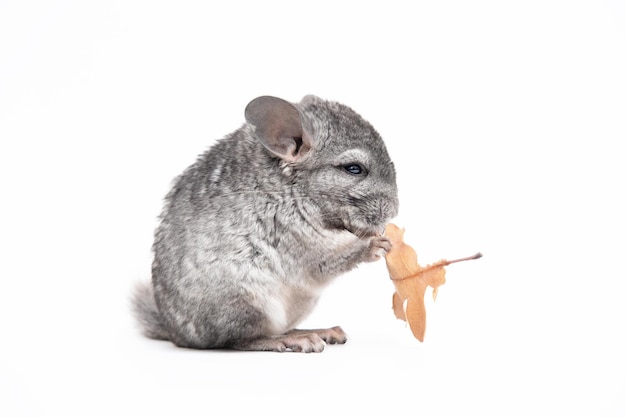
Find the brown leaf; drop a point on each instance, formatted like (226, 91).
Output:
(398, 306)
(411, 280)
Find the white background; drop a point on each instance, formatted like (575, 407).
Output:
(505, 121)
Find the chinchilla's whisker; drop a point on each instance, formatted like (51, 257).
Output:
(258, 193)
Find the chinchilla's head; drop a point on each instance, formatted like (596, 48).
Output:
(333, 157)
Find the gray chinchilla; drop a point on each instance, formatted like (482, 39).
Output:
(253, 231)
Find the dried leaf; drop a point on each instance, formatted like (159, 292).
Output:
(411, 280)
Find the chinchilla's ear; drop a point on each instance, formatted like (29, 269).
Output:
(279, 127)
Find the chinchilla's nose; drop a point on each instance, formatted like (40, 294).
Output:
(389, 207)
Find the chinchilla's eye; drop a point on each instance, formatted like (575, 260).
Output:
(354, 169)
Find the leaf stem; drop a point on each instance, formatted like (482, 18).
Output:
(469, 258)
(439, 264)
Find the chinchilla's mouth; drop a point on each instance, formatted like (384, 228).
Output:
(365, 232)
(360, 229)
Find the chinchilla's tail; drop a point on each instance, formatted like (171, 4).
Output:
(146, 312)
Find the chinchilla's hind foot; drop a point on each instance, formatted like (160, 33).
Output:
(332, 336)
(306, 341)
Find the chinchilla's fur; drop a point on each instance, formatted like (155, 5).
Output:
(254, 230)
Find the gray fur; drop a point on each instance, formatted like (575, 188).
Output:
(254, 230)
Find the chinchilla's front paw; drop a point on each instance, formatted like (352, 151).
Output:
(377, 248)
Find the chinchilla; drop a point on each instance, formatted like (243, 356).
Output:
(253, 231)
